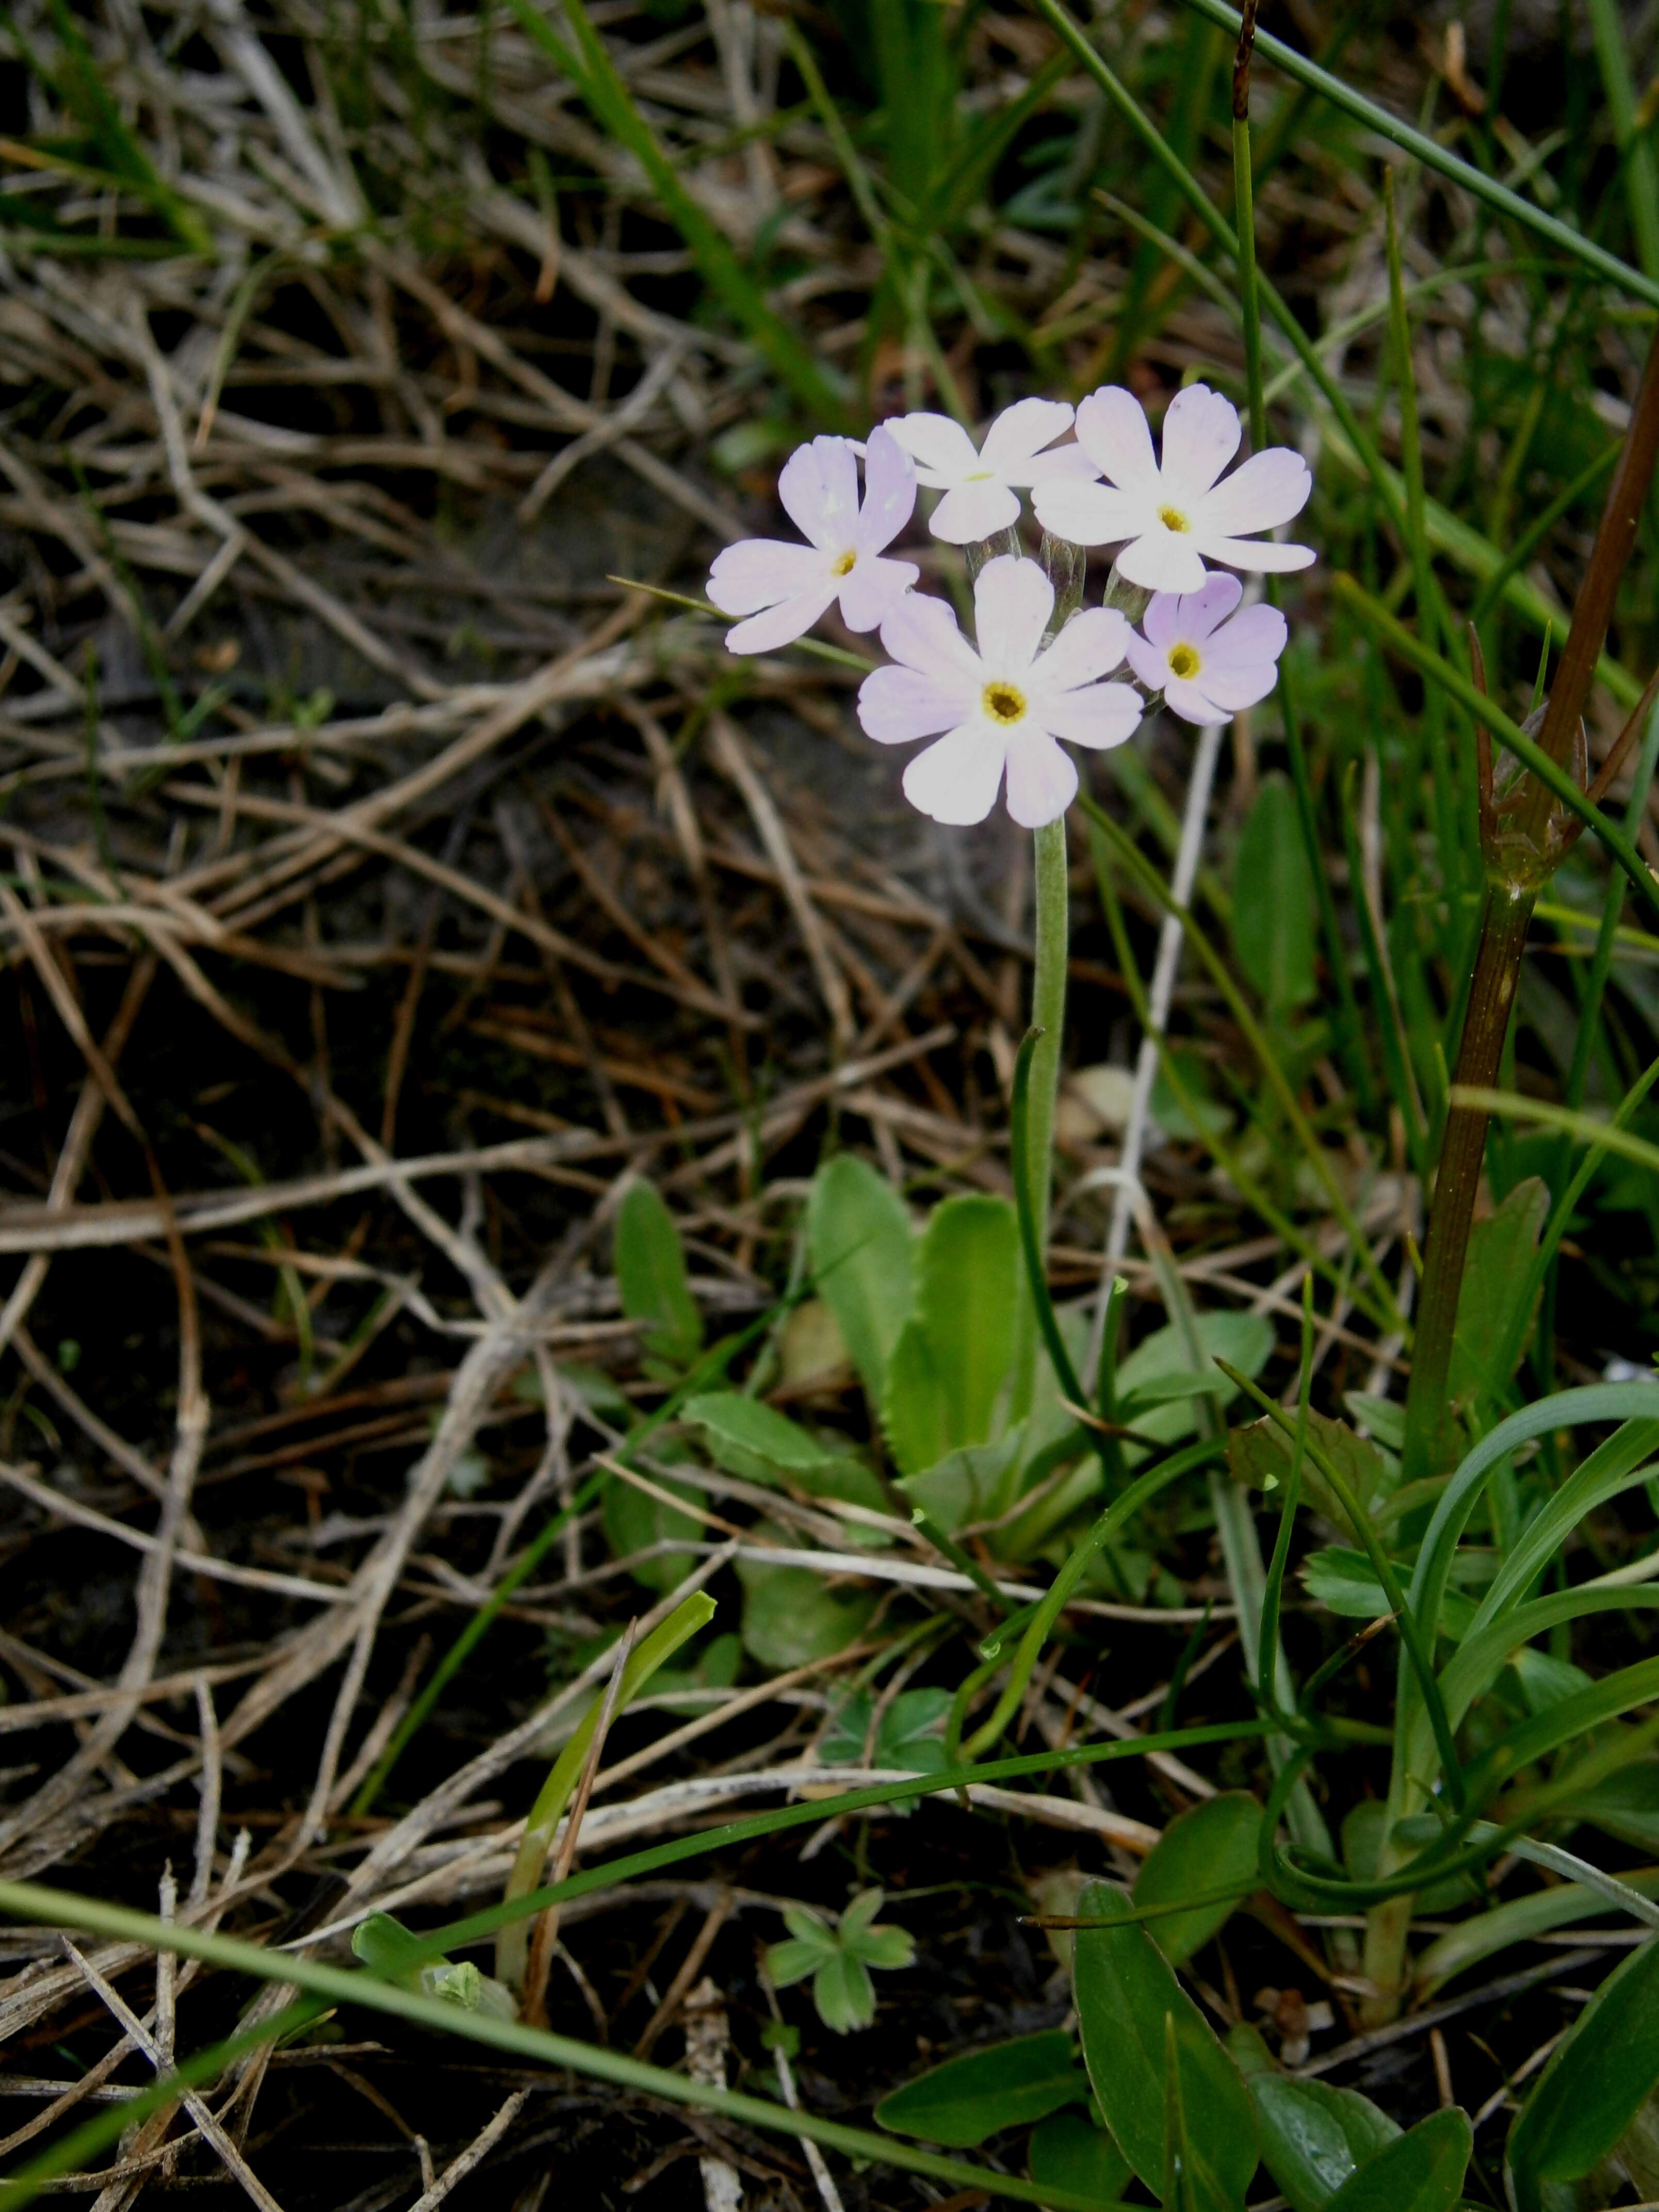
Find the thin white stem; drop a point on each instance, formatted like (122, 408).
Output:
(1164, 970)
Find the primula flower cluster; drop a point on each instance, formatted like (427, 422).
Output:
(995, 709)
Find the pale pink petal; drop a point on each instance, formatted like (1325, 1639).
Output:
(758, 572)
(1100, 715)
(765, 632)
(1042, 780)
(1058, 461)
(973, 511)
(1022, 431)
(1113, 430)
(1212, 603)
(1186, 699)
(1269, 489)
(1162, 560)
(819, 490)
(942, 450)
(890, 493)
(898, 705)
(871, 587)
(1092, 644)
(956, 780)
(1256, 556)
(921, 632)
(1013, 602)
(1240, 685)
(1149, 662)
(1257, 634)
(1201, 436)
(1089, 513)
(1161, 617)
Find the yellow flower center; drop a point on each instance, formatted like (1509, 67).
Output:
(1173, 518)
(1184, 661)
(980, 475)
(846, 562)
(1004, 704)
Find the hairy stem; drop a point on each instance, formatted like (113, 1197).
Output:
(1048, 1016)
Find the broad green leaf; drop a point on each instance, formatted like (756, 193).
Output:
(1243, 1340)
(1260, 1454)
(634, 1521)
(1313, 2137)
(844, 1994)
(1593, 2085)
(1625, 1804)
(965, 1484)
(754, 1440)
(1211, 1846)
(1274, 930)
(1383, 1417)
(1007, 2085)
(1490, 1328)
(1125, 1989)
(1421, 2171)
(1070, 2152)
(792, 1615)
(651, 1280)
(953, 1355)
(863, 1253)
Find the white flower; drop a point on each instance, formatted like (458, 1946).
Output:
(1002, 706)
(784, 588)
(1207, 666)
(1169, 518)
(978, 486)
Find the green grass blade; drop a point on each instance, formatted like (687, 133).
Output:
(590, 68)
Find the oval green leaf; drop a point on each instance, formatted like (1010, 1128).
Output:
(1070, 2152)
(953, 1355)
(968, 2099)
(1211, 1846)
(1314, 2138)
(651, 1277)
(1422, 2171)
(862, 1249)
(1126, 1989)
(1593, 2085)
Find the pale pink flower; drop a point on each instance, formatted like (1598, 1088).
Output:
(1001, 705)
(783, 588)
(1169, 517)
(981, 484)
(1208, 666)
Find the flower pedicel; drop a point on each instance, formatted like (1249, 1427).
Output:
(997, 708)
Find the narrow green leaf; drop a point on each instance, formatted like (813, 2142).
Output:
(1273, 901)
(1126, 1989)
(651, 1280)
(590, 68)
(1006, 2085)
(1209, 1847)
(863, 1254)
